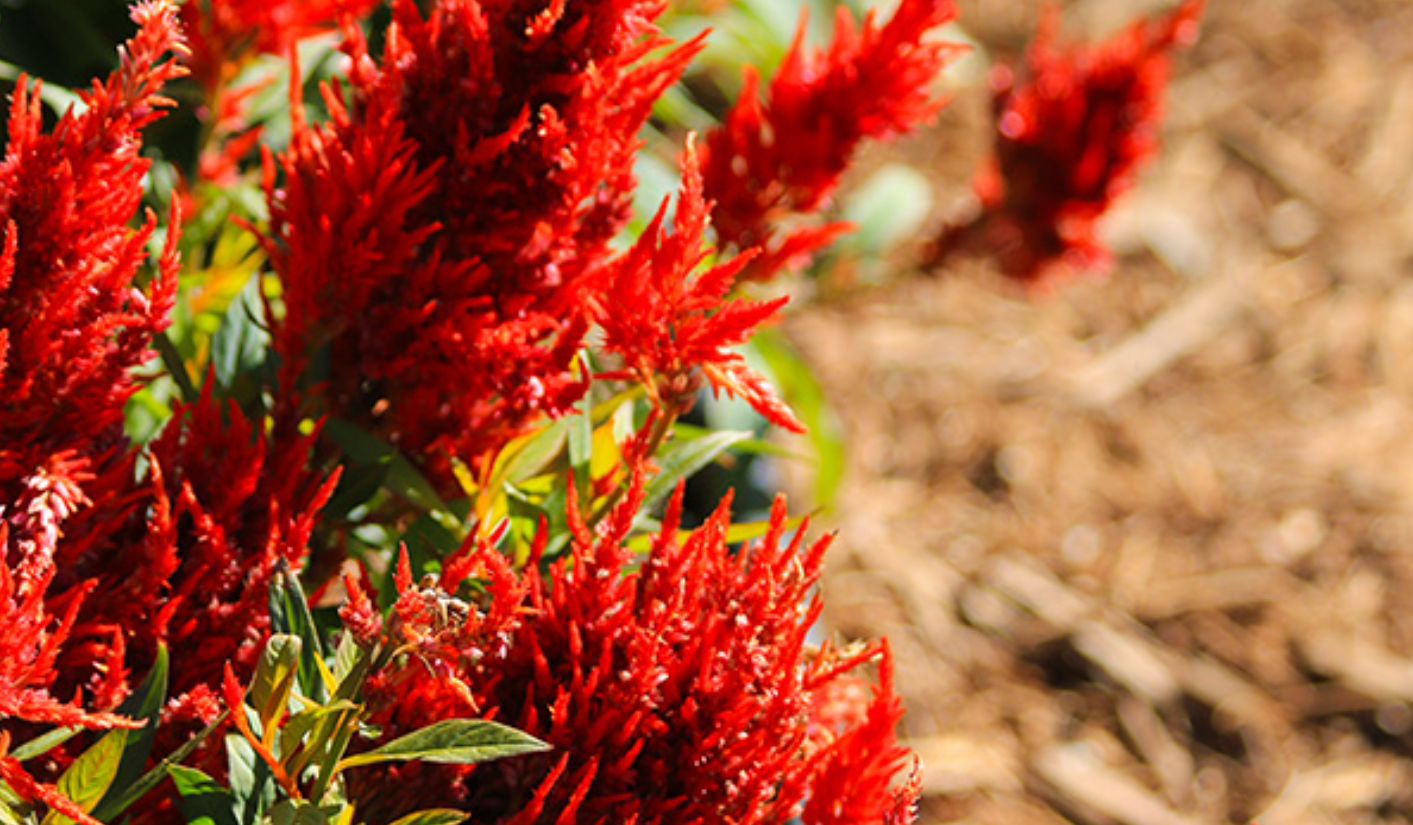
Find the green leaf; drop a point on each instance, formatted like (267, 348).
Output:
(202, 800)
(345, 657)
(682, 460)
(316, 729)
(536, 453)
(11, 808)
(803, 392)
(290, 812)
(150, 779)
(252, 785)
(749, 446)
(274, 678)
(289, 613)
(144, 703)
(41, 745)
(581, 448)
(239, 345)
(452, 742)
(91, 775)
(362, 447)
(434, 816)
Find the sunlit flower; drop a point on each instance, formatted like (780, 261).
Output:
(435, 240)
(784, 155)
(676, 688)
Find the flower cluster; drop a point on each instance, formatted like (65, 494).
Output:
(454, 217)
(73, 323)
(665, 322)
(443, 283)
(102, 565)
(679, 688)
(785, 155)
(1071, 134)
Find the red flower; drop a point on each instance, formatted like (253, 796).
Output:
(786, 156)
(436, 240)
(666, 322)
(1070, 139)
(224, 512)
(72, 321)
(677, 688)
(72, 325)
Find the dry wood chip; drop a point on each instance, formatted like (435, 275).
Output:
(1076, 775)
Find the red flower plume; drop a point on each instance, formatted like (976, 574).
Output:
(1071, 136)
(786, 155)
(666, 321)
(436, 240)
(73, 323)
(676, 688)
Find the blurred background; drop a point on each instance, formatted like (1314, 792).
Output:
(1141, 542)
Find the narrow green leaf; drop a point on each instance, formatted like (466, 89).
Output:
(434, 816)
(682, 460)
(274, 678)
(803, 392)
(453, 742)
(240, 343)
(176, 367)
(290, 812)
(10, 807)
(537, 452)
(252, 785)
(202, 800)
(289, 613)
(581, 447)
(751, 446)
(313, 730)
(144, 703)
(150, 779)
(41, 745)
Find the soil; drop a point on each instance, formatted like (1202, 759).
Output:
(1142, 543)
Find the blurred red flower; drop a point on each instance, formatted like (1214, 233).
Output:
(1071, 136)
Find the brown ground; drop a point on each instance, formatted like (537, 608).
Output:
(1144, 546)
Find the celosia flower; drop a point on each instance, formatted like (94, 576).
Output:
(667, 321)
(224, 512)
(72, 320)
(436, 239)
(783, 156)
(676, 688)
(1070, 138)
(72, 324)
(31, 645)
